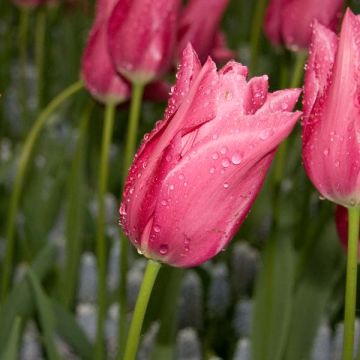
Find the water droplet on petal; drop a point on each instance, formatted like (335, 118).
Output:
(226, 185)
(212, 170)
(163, 249)
(236, 158)
(215, 156)
(139, 251)
(224, 150)
(157, 228)
(326, 152)
(225, 163)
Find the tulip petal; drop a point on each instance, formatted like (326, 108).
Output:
(319, 66)
(217, 183)
(189, 68)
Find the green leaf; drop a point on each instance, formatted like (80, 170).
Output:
(46, 315)
(324, 264)
(273, 300)
(11, 350)
(70, 331)
(20, 300)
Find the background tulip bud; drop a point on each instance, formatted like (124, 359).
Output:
(97, 70)
(142, 37)
(331, 138)
(289, 22)
(202, 31)
(341, 219)
(197, 174)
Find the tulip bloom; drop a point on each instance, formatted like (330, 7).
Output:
(331, 135)
(142, 37)
(289, 21)
(198, 172)
(341, 219)
(97, 70)
(202, 30)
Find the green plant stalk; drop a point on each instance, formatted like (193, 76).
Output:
(23, 164)
(351, 279)
(256, 31)
(131, 142)
(40, 33)
(23, 45)
(74, 213)
(101, 248)
(133, 338)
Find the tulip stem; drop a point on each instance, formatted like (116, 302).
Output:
(23, 44)
(256, 31)
(131, 142)
(23, 163)
(151, 272)
(351, 278)
(40, 53)
(298, 69)
(101, 249)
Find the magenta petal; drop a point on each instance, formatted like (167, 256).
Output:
(189, 68)
(319, 66)
(256, 94)
(98, 72)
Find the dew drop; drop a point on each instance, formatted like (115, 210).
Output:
(157, 228)
(181, 177)
(139, 251)
(225, 163)
(215, 156)
(326, 152)
(212, 170)
(223, 150)
(163, 249)
(337, 163)
(164, 202)
(236, 158)
(226, 185)
(171, 187)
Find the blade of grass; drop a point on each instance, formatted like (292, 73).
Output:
(47, 319)
(12, 347)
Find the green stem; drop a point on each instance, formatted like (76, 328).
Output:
(131, 142)
(23, 163)
(298, 70)
(351, 278)
(101, 248)
(40, 53)
(133, 339)
(74, 235)
(256, 31)
(23, 45)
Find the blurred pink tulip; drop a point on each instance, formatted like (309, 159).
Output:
(198, 172)
(142, 36)
(341, 219)
(199, 24)
(289, 22)
(331, 125)
(97, 70)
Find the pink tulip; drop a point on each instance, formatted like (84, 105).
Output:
(199, 23)
(97, 70)
(198, 172)
(331, 125)
(341, 219)
(289, 21)
(142, 37)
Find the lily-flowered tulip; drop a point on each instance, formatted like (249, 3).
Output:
(198, 172)
(142, 36)
(202, 30)
(98, 71)
(341, 219)
(289, 22)
(331, 125)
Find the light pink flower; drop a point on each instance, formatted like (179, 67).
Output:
(142, 37)
(331, 126)
(289, 21)
(198, 172)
